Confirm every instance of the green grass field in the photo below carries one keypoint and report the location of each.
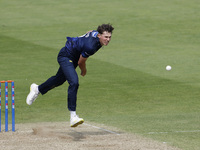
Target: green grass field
(127, 85)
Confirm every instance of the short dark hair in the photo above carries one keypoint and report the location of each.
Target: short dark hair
(105, 27)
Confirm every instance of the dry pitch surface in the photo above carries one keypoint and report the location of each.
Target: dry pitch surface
(58, 136)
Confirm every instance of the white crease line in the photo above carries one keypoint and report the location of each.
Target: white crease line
(102, 129)
(28, 131)
(174, 132)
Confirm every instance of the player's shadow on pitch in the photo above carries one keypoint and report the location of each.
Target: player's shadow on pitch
(79, 136)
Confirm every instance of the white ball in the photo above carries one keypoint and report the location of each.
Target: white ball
(168, 68)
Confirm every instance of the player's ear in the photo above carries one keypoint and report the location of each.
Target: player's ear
(99, 35)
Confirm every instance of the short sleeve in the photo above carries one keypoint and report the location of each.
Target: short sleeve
(86, 54)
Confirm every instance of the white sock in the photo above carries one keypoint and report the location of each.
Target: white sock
(38, 92)
(72, 113)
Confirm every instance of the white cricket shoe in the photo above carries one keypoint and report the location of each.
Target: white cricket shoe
(75, 121)
(34, 92)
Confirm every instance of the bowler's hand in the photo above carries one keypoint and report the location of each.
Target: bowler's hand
(82, 65)
(83, 72)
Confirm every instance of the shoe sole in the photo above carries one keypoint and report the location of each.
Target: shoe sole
(28, 96)
(27, 101)
(78, 123)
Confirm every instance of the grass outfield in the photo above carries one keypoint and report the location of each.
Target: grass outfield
(127, 85)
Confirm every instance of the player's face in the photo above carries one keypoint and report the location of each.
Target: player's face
(104, 38)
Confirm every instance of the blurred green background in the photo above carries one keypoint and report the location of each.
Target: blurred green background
(126, 85)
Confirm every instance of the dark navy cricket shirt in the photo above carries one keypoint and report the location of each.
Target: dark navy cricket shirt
(85, 45)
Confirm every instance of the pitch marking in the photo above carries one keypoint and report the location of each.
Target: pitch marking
(101, 129)
(173, 132)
